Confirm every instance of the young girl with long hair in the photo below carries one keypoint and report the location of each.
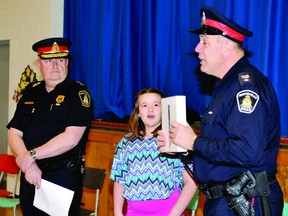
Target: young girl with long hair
(151, 182)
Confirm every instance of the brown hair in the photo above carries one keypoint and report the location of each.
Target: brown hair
(135, 125)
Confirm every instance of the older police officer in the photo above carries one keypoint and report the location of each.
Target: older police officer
(50, 127)
(235, 154)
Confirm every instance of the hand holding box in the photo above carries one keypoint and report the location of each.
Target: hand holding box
(173, 109)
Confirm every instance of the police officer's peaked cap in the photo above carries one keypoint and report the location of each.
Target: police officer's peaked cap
(214, 23)
(52, 48)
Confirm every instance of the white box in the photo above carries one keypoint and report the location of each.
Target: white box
(173, 109)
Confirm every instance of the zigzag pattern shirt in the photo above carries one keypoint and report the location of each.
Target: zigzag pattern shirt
(146, 173)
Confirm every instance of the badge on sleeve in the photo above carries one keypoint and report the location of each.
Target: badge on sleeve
(247, 101)
(85, 98)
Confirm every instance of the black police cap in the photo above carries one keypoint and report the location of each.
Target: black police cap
(214, 23)
(52, 48)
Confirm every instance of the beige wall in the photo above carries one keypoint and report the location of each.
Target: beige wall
(23, 22)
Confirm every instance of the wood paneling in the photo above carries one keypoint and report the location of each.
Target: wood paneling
(282, 175)
(100, 152)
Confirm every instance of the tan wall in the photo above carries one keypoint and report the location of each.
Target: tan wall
(22, 23)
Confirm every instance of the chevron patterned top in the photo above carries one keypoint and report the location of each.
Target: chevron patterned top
(146, 173)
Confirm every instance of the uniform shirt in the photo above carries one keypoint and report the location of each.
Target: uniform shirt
(146, 173)
(241, 127)
(41, 115)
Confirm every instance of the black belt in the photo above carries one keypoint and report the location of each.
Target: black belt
(215, 191)
(51, 167)
(211, 192)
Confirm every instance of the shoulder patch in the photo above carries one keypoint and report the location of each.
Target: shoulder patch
(85, 98)
(247, 101)
(244, 78)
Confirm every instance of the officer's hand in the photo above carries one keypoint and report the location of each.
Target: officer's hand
(24, 161)
(182, 135)
(162, 141)
(33, 175)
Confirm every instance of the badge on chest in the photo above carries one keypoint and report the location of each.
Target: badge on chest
(59, 100)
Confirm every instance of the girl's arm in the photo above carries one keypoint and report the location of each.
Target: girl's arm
(187, 193)
(118, 199)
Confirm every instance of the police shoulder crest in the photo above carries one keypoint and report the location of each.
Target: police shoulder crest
(85, 98)
(247, 101)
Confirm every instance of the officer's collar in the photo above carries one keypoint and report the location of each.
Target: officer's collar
(233, 70)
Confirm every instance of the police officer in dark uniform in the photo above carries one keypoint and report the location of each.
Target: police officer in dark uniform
(235, 153)
(50, 127)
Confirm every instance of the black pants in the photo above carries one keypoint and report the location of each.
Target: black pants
(62, 177)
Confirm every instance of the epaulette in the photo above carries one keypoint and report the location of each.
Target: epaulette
(245, 78)
(80, 83)
(36, 84)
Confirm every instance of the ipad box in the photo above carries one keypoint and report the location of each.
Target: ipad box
(173, 109)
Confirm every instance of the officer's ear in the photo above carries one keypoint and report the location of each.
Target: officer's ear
(229, 46)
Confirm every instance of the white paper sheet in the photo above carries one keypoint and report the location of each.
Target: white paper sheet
(173, 109)
(53, 199)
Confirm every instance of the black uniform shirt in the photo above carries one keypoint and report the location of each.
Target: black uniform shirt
(241, 127)
(41, 115)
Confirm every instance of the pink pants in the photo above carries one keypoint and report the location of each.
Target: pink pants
(152, 207)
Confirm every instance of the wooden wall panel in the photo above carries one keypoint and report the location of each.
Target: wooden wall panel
(282, 175)
(99, 153)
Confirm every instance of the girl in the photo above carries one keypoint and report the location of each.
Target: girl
(150, 181)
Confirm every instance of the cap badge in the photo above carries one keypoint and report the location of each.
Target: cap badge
(55, 47)
(203, 19)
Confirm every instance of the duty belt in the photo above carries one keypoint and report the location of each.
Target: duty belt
(51, 167)
(211, 192)
(216, 191)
